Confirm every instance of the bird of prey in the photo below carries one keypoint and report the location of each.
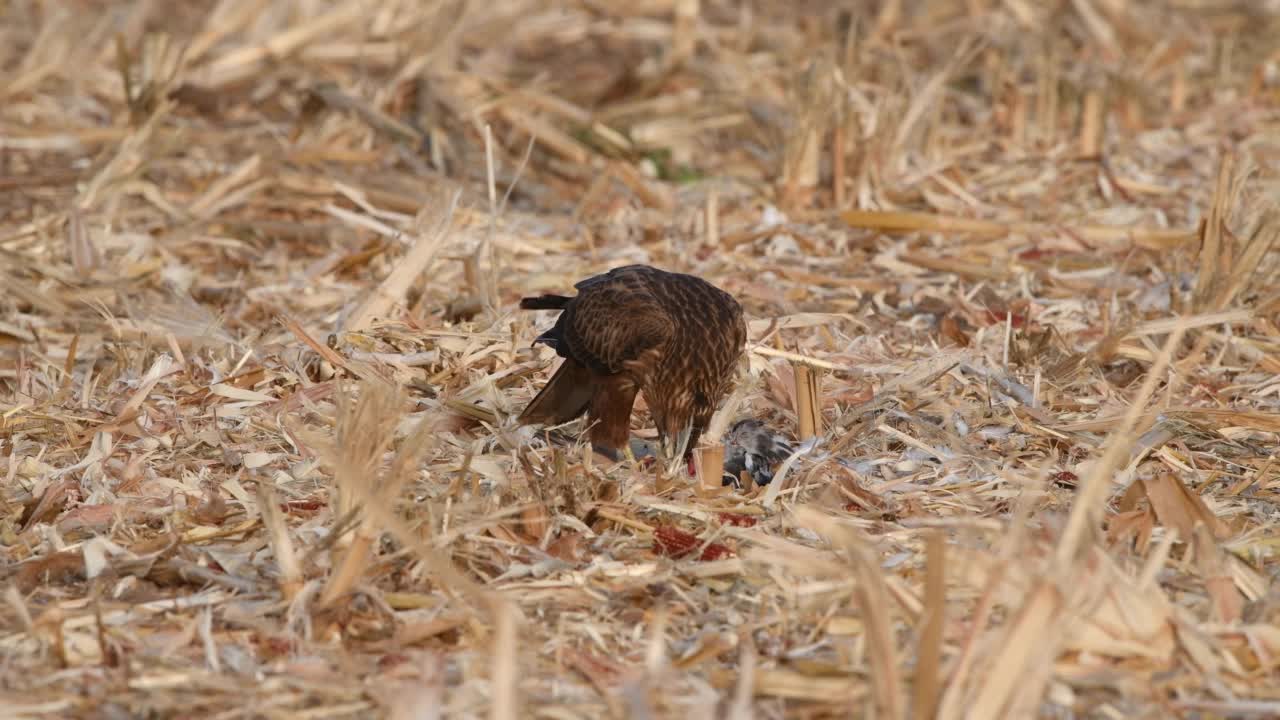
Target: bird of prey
(636, 329)
(751, 446)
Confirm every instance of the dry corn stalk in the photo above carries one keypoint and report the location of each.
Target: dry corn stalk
(709, 462)
(808, 400)
(366, 430)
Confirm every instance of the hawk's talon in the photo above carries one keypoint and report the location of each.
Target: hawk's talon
(609, 452)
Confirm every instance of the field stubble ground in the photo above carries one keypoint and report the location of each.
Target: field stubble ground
(1013, 263)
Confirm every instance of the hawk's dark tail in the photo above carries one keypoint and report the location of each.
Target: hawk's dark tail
(544, 302)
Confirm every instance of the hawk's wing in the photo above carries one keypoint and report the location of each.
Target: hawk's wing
(615, 323)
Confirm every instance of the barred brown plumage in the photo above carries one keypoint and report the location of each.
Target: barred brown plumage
(636, 329)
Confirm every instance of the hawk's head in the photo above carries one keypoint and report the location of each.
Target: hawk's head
(673, 413)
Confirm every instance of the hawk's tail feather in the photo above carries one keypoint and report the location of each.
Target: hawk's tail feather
(565, 396)
(544, 302)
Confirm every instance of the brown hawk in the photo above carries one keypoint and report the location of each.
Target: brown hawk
(674, 337)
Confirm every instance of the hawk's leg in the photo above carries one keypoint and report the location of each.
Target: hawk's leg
(611, 415)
